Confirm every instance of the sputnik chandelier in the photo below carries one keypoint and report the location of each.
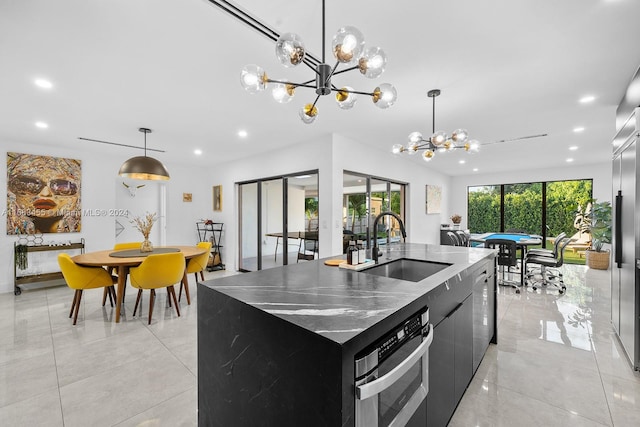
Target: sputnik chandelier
(348, 48)
(439, 141)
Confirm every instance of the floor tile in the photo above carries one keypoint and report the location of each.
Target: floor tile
(488, 405)
(179, 411)
(623, 397)
(23, 379)
(42, 409)
(124, 391)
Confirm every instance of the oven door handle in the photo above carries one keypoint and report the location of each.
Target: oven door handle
(376, 386)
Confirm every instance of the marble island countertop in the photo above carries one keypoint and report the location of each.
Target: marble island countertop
(337, 303)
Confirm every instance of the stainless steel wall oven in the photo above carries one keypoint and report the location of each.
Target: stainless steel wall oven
(392, 376)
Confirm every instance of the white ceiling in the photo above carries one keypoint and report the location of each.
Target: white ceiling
(506, 68)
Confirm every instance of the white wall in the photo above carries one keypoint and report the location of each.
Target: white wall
(331, 155)
(100, 185)
(601, 174)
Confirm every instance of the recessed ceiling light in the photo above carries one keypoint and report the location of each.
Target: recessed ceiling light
(42, 125)
(588, 98)
(44, 84)
(573, 148)
(242, 133)
(578, 129)
(462, 162)
(475, 169)
(569, 160)
(197, 151)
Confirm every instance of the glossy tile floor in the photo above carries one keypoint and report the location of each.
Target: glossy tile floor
(557, 361)
(556, 364)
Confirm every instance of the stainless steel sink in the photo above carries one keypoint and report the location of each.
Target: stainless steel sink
(407, 269)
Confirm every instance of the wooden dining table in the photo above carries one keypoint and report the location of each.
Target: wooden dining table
(123, 264)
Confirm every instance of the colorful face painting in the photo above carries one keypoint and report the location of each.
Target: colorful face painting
(43, 194)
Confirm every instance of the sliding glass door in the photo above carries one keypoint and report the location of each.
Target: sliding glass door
(543, 208)
(364, 198)
(248, 196)
(278, 221)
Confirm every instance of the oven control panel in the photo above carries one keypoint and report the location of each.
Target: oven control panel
(409, 329)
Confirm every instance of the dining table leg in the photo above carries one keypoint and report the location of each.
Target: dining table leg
(122, 279)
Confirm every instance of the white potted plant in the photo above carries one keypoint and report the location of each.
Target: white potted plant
(456, 218)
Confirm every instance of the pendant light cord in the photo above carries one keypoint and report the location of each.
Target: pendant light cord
(433, 117)
(323, 35)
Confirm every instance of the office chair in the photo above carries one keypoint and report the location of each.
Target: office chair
(506, 259)
(463, 238)
(548, 273)
(549, 252)
(453, 238)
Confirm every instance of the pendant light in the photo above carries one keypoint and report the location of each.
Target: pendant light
(439, 141)
(143, 167)
(349, 50)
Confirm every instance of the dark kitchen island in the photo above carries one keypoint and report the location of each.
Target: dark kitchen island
(276, 347)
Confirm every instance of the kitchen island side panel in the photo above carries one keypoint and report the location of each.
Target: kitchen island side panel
(256, 366)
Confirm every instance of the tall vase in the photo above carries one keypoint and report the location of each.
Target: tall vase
(146, 246)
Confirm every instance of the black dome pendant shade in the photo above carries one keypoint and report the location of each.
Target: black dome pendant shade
(143, 167)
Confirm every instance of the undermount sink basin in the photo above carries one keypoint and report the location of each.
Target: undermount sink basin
(407, 269)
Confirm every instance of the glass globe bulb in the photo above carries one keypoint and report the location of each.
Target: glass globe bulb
(347, 45)
(346, 100)
(373, 62)
(290, 50)
(415, 137)
(459, 136)
(308, 113)
(384, 96)
(397, 148)
(283, 93)
(428, 155)
(412, 148)
(474, 146)
(438, 138)
(253, 78)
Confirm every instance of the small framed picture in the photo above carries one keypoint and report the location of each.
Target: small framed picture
(217, 197)
(186, 197)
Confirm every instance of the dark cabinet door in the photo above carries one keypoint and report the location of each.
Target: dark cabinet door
(463, 347)
(441, 397)
(483, 317)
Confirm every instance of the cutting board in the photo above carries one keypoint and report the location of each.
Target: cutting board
(334, 262)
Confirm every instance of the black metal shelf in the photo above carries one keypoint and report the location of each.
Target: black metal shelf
(212, 231)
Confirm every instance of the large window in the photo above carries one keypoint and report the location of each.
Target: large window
(364, 198)
(543, 208)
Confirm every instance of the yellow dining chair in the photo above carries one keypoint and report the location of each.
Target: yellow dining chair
(195, 265)
(79, 277)
(126, 245)
(122, 247)
(158, 271)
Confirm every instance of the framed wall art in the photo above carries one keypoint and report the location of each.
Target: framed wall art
(43, 194)
(217, 197)
(433, 199)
